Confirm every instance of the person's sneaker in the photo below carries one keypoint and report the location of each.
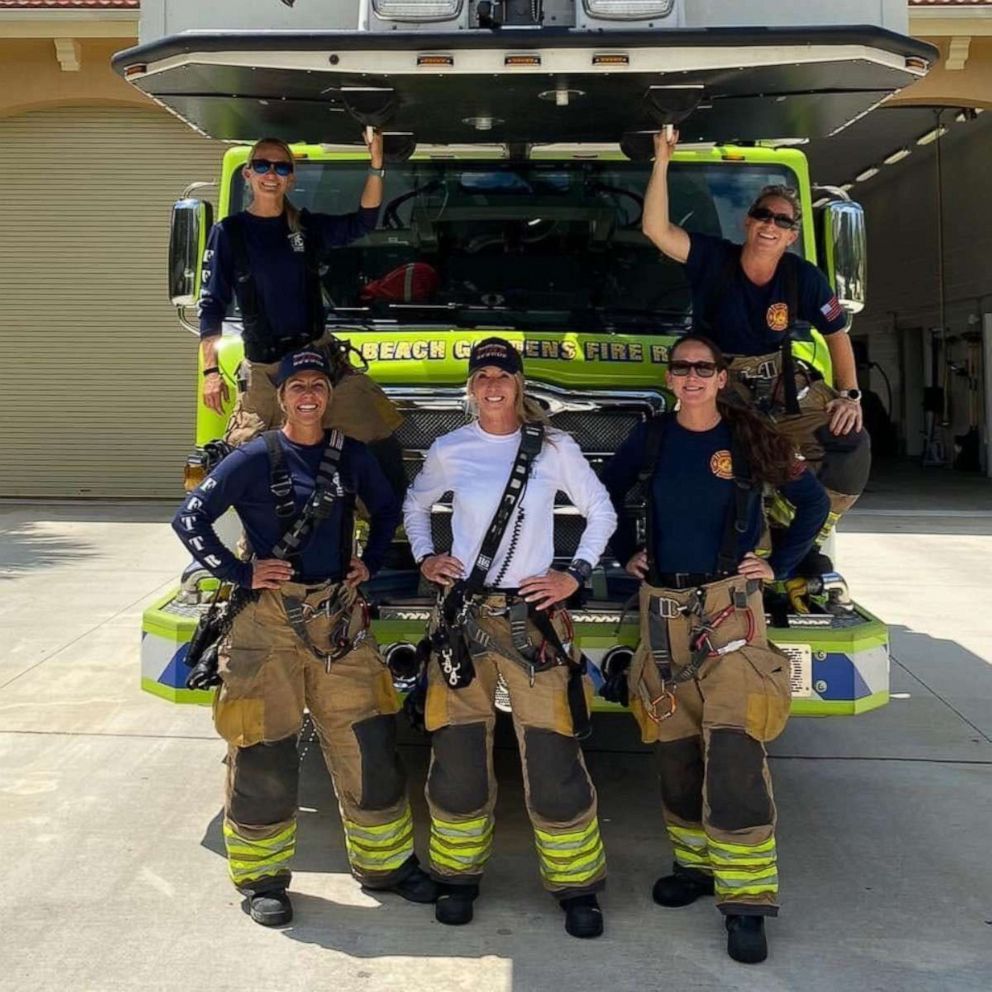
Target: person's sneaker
(746, 938)
(454, 904)
(418, 886)
(271, 909)
(583, 917)
(681, 888)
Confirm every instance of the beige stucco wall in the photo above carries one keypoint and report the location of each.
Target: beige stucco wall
(31, 77)
(967, 87)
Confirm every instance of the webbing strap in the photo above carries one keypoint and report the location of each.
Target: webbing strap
(280, 481)
(531, 440)
(736, 521)
(327, 490)
(261, 344)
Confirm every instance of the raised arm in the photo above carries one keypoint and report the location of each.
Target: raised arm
(657, 225)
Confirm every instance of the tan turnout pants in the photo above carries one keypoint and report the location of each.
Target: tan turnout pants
(841, 463)
(269, 677)
(358, 408)
(716, 791)
(461, 785)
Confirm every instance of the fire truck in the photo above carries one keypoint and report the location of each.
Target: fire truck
(518, 137)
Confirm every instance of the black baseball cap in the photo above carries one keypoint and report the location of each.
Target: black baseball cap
(495, 351)
(306, 360)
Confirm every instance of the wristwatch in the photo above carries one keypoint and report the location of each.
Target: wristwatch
(210, 371)
(851, 394)
(423, 558)
(373, 171)
(580, 570)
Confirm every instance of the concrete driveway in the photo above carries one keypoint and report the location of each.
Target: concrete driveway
(110, 804)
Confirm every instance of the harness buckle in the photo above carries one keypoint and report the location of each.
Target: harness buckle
(666, 607)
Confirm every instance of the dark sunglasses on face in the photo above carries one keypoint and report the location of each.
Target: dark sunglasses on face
(705, 370)
(762, 214)
(261, 166)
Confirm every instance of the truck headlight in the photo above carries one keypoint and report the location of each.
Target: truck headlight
(417, 10)
(628, 10)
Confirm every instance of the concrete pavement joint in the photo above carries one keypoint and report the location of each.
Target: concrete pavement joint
(937, 695)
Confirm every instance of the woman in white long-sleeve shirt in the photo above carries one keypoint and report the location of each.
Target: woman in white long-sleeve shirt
(536, 660)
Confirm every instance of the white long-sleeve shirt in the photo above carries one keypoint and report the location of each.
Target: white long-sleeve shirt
(475, 466)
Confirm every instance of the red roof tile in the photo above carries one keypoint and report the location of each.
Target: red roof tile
(70, 4)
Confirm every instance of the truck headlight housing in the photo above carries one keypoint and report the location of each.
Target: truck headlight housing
(628, 10)
(417, 10)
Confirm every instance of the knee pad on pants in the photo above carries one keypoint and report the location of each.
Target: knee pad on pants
(736, 790)
(383, 777)
(680, 765)
(559, 785)
(459, 777)
(264, 783)
(846, 461)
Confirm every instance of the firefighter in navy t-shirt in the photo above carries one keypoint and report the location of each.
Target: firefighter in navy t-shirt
(742, 296)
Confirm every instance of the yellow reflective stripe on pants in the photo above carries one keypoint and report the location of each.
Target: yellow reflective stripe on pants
(379, 848)
(461, 846)
(574, 858)
(250, 859)
(689, 846)
(828, 526)
(781, 511)
(744, 870)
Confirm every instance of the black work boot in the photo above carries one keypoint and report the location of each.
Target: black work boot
(418, 886)
(271, 909)
(583, 917)
(682, 887)
(454, 904)
(746, 938)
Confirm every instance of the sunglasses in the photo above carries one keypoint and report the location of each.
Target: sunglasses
(261, 166)
(783, 221)
(705, 370)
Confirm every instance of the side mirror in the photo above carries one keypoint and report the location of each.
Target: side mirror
(842, 232)
(191, 221)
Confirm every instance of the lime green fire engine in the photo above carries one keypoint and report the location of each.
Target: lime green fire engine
(546, 251)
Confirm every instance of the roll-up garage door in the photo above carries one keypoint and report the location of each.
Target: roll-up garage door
(98, 393)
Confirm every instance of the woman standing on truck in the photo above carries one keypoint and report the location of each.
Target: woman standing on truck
(500, 619)
(705, 685)
(270, 257)
(302, 639)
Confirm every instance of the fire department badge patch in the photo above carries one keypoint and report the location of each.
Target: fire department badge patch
(721, 465)
(778, 316)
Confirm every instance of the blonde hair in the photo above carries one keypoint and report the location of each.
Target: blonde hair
(292, 212)
(528, 410)
(786, 193)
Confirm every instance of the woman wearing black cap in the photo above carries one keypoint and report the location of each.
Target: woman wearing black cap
(705, 686)
(302, 640)
(501, 621)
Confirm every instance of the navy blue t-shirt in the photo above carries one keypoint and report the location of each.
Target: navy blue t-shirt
(692, 496)
(278, 266)
(242, 481)
(750, 319)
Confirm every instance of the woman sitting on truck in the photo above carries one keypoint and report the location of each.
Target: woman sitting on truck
(269, 257)
(500, 621)
(705, 686)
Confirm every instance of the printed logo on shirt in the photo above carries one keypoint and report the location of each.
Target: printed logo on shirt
(722, 465)
(832, 309)
(778, 316)
(296, 241)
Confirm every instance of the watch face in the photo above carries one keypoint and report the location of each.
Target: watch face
(581, 567)
(853, 394)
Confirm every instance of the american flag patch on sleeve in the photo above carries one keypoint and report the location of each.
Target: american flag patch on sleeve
(832, 309)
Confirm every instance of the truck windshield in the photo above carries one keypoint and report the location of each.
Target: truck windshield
(554, 245)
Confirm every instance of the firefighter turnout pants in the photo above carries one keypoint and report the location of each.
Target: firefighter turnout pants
(461, 786)
(358, 408)
(716, 791)
(841, 462)
(268, 676)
